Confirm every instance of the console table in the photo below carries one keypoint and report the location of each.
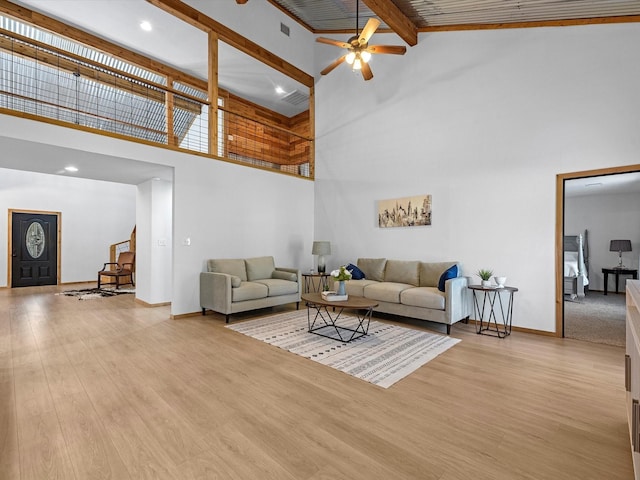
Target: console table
(617, 272)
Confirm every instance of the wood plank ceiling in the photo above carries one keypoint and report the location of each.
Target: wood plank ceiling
(406, 17)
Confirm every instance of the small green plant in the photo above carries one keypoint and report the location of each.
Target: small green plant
(485, 274)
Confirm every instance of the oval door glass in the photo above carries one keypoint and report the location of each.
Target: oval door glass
(35, 240)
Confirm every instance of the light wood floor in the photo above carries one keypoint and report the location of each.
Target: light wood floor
(110, 389)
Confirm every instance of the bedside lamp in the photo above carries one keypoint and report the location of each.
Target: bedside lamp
(620, 246)
(321, 249)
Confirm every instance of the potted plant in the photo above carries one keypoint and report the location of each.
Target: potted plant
(485, 276)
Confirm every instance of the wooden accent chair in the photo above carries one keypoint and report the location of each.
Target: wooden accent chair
(123, 268)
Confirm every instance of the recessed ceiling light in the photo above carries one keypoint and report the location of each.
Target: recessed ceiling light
(71, 168)
(146, 26)
(279, 90)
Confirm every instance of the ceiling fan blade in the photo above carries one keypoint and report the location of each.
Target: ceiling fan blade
(368, 30)
(333, 65)
(336, 43)
(392, 49)
(367, 74)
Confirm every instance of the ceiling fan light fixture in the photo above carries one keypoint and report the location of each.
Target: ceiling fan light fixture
(351, 56)
(358, 51)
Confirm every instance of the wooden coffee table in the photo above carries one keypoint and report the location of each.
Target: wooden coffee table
(328, 313)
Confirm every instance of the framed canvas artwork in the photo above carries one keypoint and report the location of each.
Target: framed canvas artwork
(405, 212)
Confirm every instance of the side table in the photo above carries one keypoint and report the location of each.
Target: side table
(487, 296)
(617, 272)
(315, 282)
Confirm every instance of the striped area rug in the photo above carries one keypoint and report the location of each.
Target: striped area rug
(384, 356)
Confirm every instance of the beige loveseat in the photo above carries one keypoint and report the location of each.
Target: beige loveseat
(232, 285)
(410, 289)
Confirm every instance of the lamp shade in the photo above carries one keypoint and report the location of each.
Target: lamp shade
(321, 248)
(620, 246)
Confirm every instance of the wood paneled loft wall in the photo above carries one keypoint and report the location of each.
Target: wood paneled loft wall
(287, 140)
(281, 140)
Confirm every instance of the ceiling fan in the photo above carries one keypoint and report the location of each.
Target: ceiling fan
(359, 50)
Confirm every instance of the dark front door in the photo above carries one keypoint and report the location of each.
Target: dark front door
(34, 244)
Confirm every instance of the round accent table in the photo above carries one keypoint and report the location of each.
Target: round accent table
(486, 302)
(315, 282)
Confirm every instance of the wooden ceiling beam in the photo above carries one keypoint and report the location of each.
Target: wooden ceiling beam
(393, 16)
(534, 24)
(198, 19)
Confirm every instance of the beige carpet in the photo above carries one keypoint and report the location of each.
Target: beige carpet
(596, 318)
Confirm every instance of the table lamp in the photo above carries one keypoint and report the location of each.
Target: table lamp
(620, 246)
(321, 248)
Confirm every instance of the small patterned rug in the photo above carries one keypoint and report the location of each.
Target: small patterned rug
(91, 293)
(387, 354)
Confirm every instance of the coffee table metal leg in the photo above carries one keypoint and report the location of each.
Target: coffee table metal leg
(323, 313)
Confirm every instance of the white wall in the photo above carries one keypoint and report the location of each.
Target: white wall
(95, 214)
(154, 234)
(226, 210)
(606, 217)
(483, 121)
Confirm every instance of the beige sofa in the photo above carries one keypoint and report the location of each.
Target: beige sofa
(232, 285)
(410, 289)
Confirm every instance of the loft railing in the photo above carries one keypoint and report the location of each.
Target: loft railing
(48, 82)
(128, 245)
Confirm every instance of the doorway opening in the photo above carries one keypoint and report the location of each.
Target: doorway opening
(593, 207)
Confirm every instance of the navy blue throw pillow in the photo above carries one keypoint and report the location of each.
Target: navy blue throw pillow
(356, 273)
(451, 272)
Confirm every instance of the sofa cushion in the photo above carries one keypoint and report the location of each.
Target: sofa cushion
(277, 286)
(449, 273)
(249, 291)
(356, 273)
(425, 297)
(356, 287)
(430, 272)
(235, 281)
(292, 277)
(386, 291)
(401, 271)
(230, 266)
(373, 268)
(259, 268)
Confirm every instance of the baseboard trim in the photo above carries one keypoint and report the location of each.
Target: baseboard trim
(152, 305)
(185, 315)
(524, 330)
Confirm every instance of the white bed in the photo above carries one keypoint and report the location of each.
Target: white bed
(576, 265)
